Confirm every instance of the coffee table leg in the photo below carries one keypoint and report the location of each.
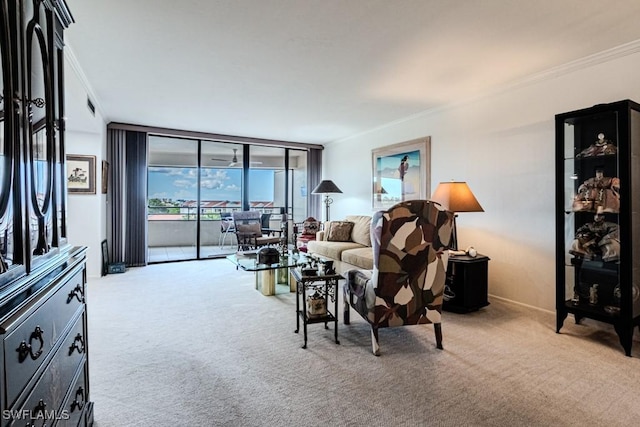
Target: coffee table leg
(335, 310)
(304, 313)
(297, 309)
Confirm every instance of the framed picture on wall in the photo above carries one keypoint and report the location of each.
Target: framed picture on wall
(401, 172)
(81, 174)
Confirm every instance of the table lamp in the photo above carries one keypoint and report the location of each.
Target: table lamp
(326, 187)
(457, 197)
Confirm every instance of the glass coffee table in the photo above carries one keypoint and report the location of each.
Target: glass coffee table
(268, 275)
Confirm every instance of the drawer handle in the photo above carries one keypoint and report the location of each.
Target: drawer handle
(75, 346)
(25, 349)
(40, 407)
(78, 403)
(78, 293)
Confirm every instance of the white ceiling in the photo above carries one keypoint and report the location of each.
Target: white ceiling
(317, 71)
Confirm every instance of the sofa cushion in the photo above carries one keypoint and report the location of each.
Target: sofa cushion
(359, 257)
(340, 231)
(331, 250)
(361, 229)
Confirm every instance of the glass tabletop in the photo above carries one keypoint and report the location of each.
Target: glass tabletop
(249, 261)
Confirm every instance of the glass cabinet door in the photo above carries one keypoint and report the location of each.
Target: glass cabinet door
(592, 204)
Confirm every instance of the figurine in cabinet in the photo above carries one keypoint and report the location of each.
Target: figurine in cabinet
(598, 192)
(599, 237)
(602, 147)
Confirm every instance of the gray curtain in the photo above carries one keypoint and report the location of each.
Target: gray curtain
(127, 197)
(314, 176)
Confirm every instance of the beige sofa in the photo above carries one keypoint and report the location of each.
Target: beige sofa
(348, 252)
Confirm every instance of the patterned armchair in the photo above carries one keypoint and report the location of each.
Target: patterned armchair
(248, 229)
(410, 242)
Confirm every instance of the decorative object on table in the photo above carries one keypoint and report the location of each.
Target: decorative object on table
(326, 187)
(406, 286)
(401, 172)
(602, 147)
(599, 192)
(457, 197)
(81, 174)
(328, 267)
(316, 304)
(268, 256)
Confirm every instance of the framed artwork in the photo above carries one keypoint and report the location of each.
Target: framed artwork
(105, 176)
(81, 174)
(401, 172)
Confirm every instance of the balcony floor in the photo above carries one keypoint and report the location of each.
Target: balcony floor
(182, 253)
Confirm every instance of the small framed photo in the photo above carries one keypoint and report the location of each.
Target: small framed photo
(81, 174)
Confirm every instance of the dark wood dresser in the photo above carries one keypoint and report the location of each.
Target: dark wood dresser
(43, 322)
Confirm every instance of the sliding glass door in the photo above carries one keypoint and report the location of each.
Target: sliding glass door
(195, 185)
(172, 194)
(220, 194)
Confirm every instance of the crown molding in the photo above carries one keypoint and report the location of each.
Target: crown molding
(71, 59)
(550, 74)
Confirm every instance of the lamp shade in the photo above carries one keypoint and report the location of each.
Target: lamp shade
(457, 197)
(325, 187)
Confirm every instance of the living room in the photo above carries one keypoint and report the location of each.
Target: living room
(499, 138)
(500, 141)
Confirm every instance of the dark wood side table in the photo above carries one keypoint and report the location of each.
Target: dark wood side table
(467, 287)
(328, 286)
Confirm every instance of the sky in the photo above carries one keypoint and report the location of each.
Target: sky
(216, 184)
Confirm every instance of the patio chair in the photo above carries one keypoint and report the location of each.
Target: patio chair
(227, 226)
(248, 227)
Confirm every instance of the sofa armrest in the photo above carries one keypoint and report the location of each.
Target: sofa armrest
(320, 235)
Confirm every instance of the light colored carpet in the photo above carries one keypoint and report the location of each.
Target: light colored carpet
(194, 344)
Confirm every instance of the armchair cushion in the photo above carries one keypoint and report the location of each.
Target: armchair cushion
(340, 231)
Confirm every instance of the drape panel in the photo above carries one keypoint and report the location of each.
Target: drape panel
(126, 198)
(314, 176)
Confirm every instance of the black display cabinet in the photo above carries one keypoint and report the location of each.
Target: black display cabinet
(598, 216)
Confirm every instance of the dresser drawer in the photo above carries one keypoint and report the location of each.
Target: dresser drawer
(74, 406)
(29, 344)
(43, 405)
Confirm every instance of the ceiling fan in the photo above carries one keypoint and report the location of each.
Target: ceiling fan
(234, 160)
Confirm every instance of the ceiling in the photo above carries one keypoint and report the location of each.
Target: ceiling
(317, 71)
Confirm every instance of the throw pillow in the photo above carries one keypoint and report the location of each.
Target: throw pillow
(310, 226)
(340, 231)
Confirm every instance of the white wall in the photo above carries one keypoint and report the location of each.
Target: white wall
(503, 146)
(85, 134)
